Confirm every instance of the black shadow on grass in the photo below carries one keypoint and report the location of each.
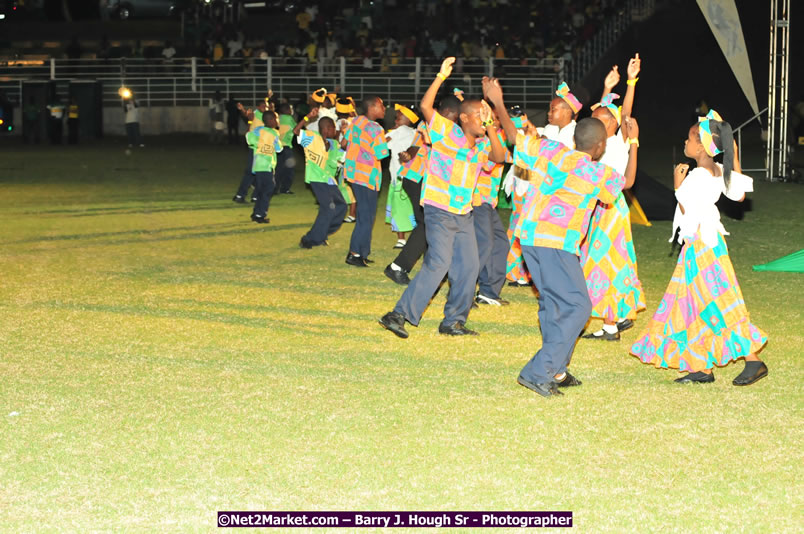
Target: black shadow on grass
(72, 237)
(128, 210)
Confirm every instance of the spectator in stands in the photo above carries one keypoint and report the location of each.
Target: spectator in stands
(73, 49)
(168, 52)
(104, 48)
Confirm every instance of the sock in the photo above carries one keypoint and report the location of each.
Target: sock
(599, 333)
(560, 377)
(610, 328)
(395, 267)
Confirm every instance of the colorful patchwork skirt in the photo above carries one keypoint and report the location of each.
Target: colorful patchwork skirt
(515, 268)
(398, 210)
(609, 264)
(702, 321)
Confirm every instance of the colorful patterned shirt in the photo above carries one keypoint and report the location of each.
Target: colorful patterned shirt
(488, 183)
(265, 143)
(565, 185)
(286, 125)
(414, 169)
(322, 160)
(363, 154)
(452, 168)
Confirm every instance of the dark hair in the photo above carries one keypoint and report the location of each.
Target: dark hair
(588, 133)
(369, 101)
(723, 137)
(449, 103)
(284, 108)
(516, 111)
(323, 121)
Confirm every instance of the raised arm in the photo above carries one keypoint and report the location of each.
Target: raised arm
(611, 81)
(305, 121)
(428, 100)
(634, 65)
(632, 130)
(497, 154)
(492, 91)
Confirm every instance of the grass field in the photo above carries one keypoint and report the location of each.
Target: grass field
(163, 358)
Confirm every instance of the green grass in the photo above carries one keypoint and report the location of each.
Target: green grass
(162, 358)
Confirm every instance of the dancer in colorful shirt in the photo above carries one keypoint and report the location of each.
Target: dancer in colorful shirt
(456, 157)
(366, 148)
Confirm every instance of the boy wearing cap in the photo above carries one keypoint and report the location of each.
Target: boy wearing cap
(398, 210)
(366, 148)
(323, 156)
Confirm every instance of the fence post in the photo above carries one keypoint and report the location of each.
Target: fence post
(52, 68)
(201, 92)
(343, 73)
(491, 67)
(192, 68)
(174, 92)
(148, 92)
(418, 83)
(269, 71)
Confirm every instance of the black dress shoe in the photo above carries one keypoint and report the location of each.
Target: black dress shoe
(395, 322)
(697, 378)
(455, 329)
(305, 244)
(569, 381)
(753, 372)
(357, 261)
(545, 389)
(400, 277)
(368, 260)
(239, 200)
(254, 199)
(260, 220)
(624, 325)
(517, 284)
(605, 336)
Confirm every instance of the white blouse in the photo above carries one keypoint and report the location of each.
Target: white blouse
(698, 194)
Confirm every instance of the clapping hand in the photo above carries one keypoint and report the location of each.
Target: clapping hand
(612, 78)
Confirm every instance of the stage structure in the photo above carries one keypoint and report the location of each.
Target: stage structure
(777, 158)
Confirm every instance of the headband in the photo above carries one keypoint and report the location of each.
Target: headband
(332, 97)
(344, 105)
(319, 95)
(608, 102)
(705, 131)
(563, 91)
(407, 112)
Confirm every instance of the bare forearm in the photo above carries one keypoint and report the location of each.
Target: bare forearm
(428, 100)
(631, 168)
(497, 150)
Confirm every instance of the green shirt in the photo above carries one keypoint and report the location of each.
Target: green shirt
(320, 164)
(265, 143)
(286, 125)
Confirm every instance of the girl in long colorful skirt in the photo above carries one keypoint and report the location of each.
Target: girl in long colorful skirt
(702, 321)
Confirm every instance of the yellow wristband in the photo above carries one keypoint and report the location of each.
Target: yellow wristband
(633, 82)
(633, 141)
(443, 78)
(306, 119)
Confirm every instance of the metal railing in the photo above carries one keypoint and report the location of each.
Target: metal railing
(738, 133)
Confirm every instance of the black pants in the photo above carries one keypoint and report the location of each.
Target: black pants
(248, 178)
(72, 131)
(56, 127)
(331, 210)
(417, 241)
(285, 168)
(263, 192)
(233, 132)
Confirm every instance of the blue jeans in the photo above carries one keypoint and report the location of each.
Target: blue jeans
(263, 192)
(366, 213)
(285, 168)
(331, 210)
(564, 309)
(451, 249)
(492, 249)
